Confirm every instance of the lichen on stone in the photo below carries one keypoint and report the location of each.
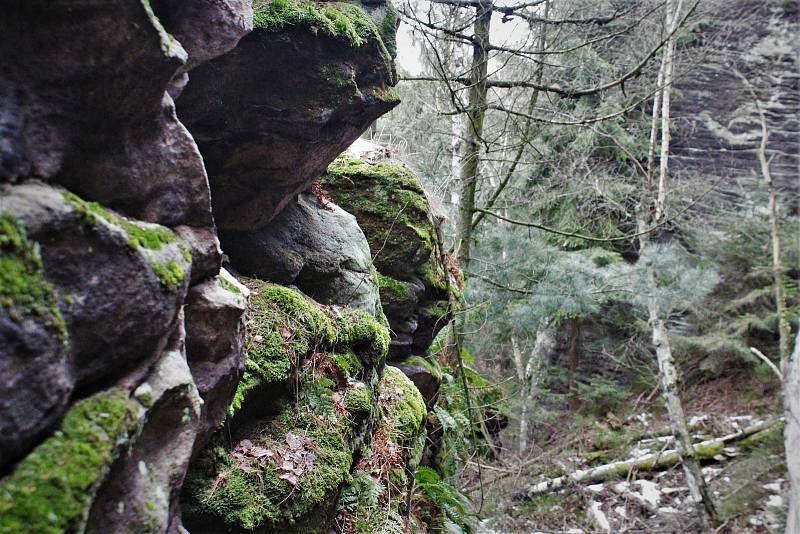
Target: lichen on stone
(23, 287)
(50, 489)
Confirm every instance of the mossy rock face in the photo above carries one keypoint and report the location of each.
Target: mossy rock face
(50, 491)
(392, 209)
(270, 115)
(86, 295)
(306, 397)
(374, 498)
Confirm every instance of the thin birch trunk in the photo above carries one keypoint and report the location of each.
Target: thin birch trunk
(672, 16)
(791, 403)
(668, 374)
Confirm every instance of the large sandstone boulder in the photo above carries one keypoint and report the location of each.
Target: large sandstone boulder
(315, 246)
(87, 296)
(148, 478)
(390, 205)
(99, 143)
(271, 114)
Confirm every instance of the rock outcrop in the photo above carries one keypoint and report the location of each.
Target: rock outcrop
(715, 136)
(144, 387)
(391, 207)
(270, 115)
(313, 245)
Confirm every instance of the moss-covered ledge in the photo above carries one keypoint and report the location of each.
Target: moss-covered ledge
(49, 491)
(340, 20)
(280, 468)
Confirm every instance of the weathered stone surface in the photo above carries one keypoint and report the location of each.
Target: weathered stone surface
(118, 284)
(717, 136)
(214, 345)
(147, 480)
(203, 245)
(272, 113)
(315, 246)
(205, 28)
(100, 143)
(390, 205)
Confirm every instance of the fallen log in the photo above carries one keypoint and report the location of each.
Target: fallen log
(648, 462)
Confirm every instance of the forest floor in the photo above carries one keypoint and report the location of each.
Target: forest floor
(747, 477)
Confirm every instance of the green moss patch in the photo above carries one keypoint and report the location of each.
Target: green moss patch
(402, 405)
(340, 20)
(284, 327)
(50, 490)
(139, 234)
(170, 273)
(392, 290)
(391, 208)
(288, 466)
(23, 287)
(228, 286)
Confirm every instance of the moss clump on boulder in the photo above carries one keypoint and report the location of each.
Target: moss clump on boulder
(284, 327)
(390, 205)
(23, 287)
(402, 405)
(375, 496)
(393, 290)
(340, 20)
(50, 489)
(149, 236)
(248, 487)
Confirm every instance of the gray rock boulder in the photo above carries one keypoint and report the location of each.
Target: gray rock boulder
(272, 113)
(316, 246)
(109, 286)
(147, 479)
(214, 345)
(100, 144)
(205, 28)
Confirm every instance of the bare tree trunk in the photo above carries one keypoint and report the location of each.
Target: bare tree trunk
(527, 375)
(519, 365)
(791, 403)
(672, 14)
(574, 357)
(784, 330)
(668, 375)
(473, 136)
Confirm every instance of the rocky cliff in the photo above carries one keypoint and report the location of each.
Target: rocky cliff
(145, 388)
(716, 124)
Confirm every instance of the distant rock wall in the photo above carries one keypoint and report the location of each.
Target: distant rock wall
(716, 125)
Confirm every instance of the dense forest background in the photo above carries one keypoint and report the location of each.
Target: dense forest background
(556, 129)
